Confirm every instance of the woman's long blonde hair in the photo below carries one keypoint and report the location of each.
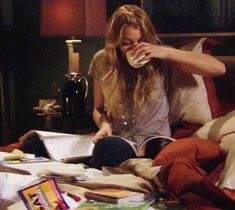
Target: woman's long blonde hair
(128, 15)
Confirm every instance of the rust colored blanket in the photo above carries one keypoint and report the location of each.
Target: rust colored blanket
(190, 170)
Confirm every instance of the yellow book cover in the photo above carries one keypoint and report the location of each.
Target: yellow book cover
(112, 195)
(43, 195)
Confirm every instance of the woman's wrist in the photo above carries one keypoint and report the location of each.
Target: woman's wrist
(105, 124)
(101, 120)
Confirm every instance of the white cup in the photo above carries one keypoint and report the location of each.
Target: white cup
(135, 62)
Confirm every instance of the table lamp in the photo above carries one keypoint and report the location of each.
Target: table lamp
(73, 18)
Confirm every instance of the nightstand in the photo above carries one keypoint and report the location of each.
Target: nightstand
(67, 124)
(49, 122)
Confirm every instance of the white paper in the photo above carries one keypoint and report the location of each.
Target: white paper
(11, 183)
(61, 145)
(36, 168)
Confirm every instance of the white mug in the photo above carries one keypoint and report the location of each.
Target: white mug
(135, 62)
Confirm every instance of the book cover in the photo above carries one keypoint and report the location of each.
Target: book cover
(43, 195)
(111, 195)
(72, 200)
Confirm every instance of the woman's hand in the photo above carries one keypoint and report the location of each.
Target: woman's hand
(105, 130)
(188, 61)
(149, 51)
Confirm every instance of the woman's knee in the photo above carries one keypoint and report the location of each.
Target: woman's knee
(154, 146)
(111, 151)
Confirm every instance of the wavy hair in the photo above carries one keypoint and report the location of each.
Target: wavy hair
(117, 80)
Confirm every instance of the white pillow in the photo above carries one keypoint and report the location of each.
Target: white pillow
(217, 128)
(227, 178)
(188, 95)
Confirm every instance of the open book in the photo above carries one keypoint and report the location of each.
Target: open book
(65, 147)
(74, 148)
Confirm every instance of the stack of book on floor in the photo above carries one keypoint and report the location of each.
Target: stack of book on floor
(110, 198)
(112, 195)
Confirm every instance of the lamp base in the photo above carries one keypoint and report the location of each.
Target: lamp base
(74, 99)
(73, 54)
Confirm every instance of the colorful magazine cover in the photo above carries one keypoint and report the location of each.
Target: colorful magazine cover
(44, 195)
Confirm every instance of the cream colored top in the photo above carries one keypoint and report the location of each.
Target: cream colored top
(139, 126)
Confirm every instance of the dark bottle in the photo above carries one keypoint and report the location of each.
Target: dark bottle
(74, 95)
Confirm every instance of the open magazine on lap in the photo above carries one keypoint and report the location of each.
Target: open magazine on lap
(139, 149)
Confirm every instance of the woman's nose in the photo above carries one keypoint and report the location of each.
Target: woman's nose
(133, 46)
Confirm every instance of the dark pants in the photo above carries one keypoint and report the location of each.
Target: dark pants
(112, 151)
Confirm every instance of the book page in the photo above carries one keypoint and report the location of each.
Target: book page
(41, 134)
(39, 168)
(142, 145)
(62, 147)
(113, 192)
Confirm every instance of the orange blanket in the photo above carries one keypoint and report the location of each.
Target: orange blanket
(190, 169)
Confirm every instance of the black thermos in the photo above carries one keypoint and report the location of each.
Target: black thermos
(74, 95)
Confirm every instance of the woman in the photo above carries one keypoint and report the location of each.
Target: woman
(131, 102)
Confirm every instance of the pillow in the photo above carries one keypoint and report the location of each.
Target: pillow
(195, 149)
(217, 128)
(227, 178)
(225, 84)
(188, 97)
(212, 97)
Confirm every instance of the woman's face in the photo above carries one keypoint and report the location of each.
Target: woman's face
(130, 37)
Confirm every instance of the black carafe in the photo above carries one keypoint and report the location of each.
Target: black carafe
(74, 95)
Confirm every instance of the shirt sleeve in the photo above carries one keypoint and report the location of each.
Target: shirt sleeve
(95, 69)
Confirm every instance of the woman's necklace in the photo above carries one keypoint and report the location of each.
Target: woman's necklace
(127, 119)
(127, 109)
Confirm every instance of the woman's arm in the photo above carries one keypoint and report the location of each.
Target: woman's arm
(192, 62)
(195, 63)
(99, 113)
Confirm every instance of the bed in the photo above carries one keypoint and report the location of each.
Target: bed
(203, 156)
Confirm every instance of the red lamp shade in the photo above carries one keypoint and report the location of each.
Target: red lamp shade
(73, 17)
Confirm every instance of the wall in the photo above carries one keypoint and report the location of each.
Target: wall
(34, 63)
(184, 16)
